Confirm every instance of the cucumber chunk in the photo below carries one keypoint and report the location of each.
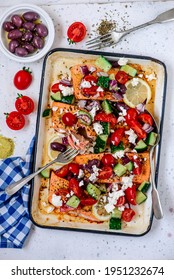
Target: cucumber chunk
(115, 223)
(103, 82)
(68, 99)
(56, 96)
(73, 201)
(120, 169)
(140, 197)
(103, 63)
(151, 138)
(93, 191)
(115, 149)
(98, 150)
(101, 141)
(144, 186)
(106, 107)
(106, 127)
(141, 146)
(129, 70)
(46, 173)
(47, 113)
(84, 117)
(116, 213)
(129, 166)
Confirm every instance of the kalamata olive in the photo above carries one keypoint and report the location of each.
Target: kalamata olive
(17, 20)
(38, 42)
(55, 146)
(31, 16)
(29, 47)
(8, 26)
(27, 36)
(20, 51)
(13, 45)
(28, 25)
(41, 30)
(14, 34)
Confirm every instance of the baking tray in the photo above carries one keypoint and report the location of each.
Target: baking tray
(137, 227)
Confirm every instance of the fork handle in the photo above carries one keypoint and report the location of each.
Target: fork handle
(13, 188)
(161, 18)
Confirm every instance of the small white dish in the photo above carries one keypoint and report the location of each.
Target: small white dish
(44, 18)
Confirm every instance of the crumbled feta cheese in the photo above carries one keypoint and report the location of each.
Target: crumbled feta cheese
(81, 183)
(135, 157)
(145, 159)
(100, 89)
(115, 186)
(123, 112)
(112, 130)
(134, 151)
(121, 208)
(134, 82)
(112, 199)
(151, 77)
(85, 84)
(98, 128)
(135, 165)
(71, 193)
(92, 69)
(49, 209)
(66, 91)
(118, 154)
(132, 136)
(109, 207)
(54, 108)
(140, 75)
(68, 195)
(93, 111)
(81, 174)
(127, 182)
(93, 176)
(120, 119)
(61, 110)
(56, 200)
(122, 61)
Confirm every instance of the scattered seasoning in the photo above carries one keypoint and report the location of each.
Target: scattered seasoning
(106, 26)
(6, 147)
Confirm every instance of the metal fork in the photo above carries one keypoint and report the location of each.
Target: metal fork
(64, 157)
(114, 37)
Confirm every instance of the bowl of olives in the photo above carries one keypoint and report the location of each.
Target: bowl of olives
(27, 33)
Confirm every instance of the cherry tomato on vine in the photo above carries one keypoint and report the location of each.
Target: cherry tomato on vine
(22, 79)
(15, 120)
(76, 32)
(24, 104)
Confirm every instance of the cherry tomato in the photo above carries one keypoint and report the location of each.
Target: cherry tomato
(63, 171)
(74, 186)
(137, 127)
(108, 160)
(76, 32)
(130, 193)
(105, 173)
(55, 88)
(122, 77)
(128, 214)
(24, 104)
(145, 118)
(74, 168)
(103, 117)
(90, 91)
(132, 114)
(117, 136)
(69, 119)
(90, 78)
(137, 170)
(15, 120)
(87, 201)
(22, 79)
(121, 201)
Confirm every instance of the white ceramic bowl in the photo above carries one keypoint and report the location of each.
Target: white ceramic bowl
(44, 18)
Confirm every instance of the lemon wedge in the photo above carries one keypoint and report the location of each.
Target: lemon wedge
(137, 93)
(51, 153)
(99, 211)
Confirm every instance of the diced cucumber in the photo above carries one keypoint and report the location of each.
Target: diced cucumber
(56, 96)
(84, 117)
(46, 173)
(116, 213)
(129, 165)
(140, 197)
(120, 169)
(68, 99)
(112, 76)
(151, 138)
(144, 186)
(114, 110)
(115, 149)
(73, 201)
(129, 70)
(106, 107)
(103, 82)
(141, 146)
(47, 113)
(93, 191)
(106, 128)
(101, 140)
(115, 223)
(103, 63)
(98, 150)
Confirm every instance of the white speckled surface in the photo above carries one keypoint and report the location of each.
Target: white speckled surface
(155, 41)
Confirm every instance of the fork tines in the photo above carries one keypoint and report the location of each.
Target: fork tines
(70, 153)
(100, 41)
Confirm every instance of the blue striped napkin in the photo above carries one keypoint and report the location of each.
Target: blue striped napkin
(15, 223)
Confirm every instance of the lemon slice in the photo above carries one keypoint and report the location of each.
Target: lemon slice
(51, 153)
(99, 211)
(138, 93)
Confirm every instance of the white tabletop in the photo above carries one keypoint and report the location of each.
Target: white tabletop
(155, 41)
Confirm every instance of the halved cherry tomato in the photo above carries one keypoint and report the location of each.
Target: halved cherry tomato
(132, 114)
(69, 119)
(103, 117)
(128, 214)
(74, 168)
(122, 77)
(130, 193)
(23, 78)
(105, 173)
(117, 136)
(76, 32)
(74, 186)
(91, 78)
(88, 201)
(24, 104)
(15, 120)
(121, 201)
(91, 91)
(108, 160)
(137, 127)
(63, 171)
(55, 88)
(137, 170)
(145, 118)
